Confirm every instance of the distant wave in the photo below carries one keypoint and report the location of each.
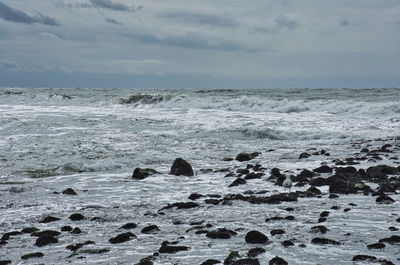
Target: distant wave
(145, 99)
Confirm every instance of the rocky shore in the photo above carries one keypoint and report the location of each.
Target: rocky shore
(315, 213)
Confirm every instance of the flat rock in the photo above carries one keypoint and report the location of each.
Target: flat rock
(46, 233)
(211, 262)
(49, 219)
(167, 248)
(395, 239)
(247, 261)
(121, 238)
(277, 232)
(32, 255)
(181, 205)
(129, 226)
(379, 245)
(324, 241)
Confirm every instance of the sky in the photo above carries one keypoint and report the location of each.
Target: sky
(197, 44)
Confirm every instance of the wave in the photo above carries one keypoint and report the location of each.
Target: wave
(145, 99)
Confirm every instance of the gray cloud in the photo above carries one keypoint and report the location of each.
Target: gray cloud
(113, 21)
(344, 22)
(108, 4)
(10, 66)
(200, 19)
(284, 22)
(191, 42)
(15, 15)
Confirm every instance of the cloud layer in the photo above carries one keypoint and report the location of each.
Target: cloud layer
(14, 15)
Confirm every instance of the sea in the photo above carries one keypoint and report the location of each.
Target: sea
(91, 140)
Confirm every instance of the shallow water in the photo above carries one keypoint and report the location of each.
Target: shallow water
(92, 139)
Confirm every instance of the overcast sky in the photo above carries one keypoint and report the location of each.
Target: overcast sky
(208, 43)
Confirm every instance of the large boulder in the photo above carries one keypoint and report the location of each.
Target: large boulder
(181, 168)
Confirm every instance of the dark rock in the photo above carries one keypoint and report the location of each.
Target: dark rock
(335, 207)
(142, 173)
(32, 255)
(324, 241)
(255, 237)
(398, 220)
(318, 182)
(49, 219)
(364, 258)
(278, 261)
(248, 261)
(333, 196)
(151, 229)
(121, 238)
(76, 217)
(313, 190)
(395, 239)
(253, 175)
(341, 186)
(364, 150)
(76, 231)
(246, 156)
(346, 171)
(69, 191)
(181, 168)
(386, 187)
(221, 233)
(210, 262)
(181, 205)
(166, 248)
(346, 209)
(319, 228)
(237, 182)
(6, 236)
(243, 171)
(384, 199)
(290, 218)
(234, 255)
(79, 245)
(379, 245)
(380, 172)
(287, 243)
(46, 233)
(195, 196)
(212, 201)
(28, 230)
(277, 232)
(304, 155)
(392, 228)
(321, 219)
(323, 169)
(254, 252)
(324, 214)
(66, 228)
(45, 240)
(5, 262)
(145, 261)
(304, 175)
(129, 226)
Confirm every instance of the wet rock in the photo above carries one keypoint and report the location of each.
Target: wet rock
(386, 187)
(319, 229)
(304, 175)
(78, 246)
(341, 186)
(380, 172)
(318, 182)
(384, 199)
(253, 175)
(335, 207)
(167, 248)
(346, 209)
(313, 190)
(6, 236)
(324, 214)
(395, 239)
(234, 255)
(290, 218)
(221, 233)
(181, 205)
(333, 196)
(181, 168)
(46, 233)
(323, 169)
(28, 230)
(346, 171)
(237, 182)
(145, 261)
(392, 228)
(277, 232)
(246, 156)
(142, 173)
(76, 217)
(287, 243)
(69, 191)
(45, 240)
(121, 238)
(5, 262)
(195, 196)
(66, 228)
(151, 229)
(76, 231)
(324, 241)
(49, 219)
(256, 237)
(254, 252)
(398, 220)
(379, 245)
(304, 155)
(243, 171)
(32, 255)
(364, 258)
(321, 219)
(278, 261)
(212, 201)
(247, 261)
(129, 226)
(211, 262)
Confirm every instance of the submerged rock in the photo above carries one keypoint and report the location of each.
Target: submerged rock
(221, 233)
(49, 219)
(254, 252)
(277, 232)
(379, 245)
(211, 262)
(181, 205)
(142, 173)
(121, 238)
(324, 241)
(129, 226)
(278, 261)
(395, 239)
(304, 155)
(167, 248)
(246, 156)
(32, 255)
(6, 236)
(46, 233)
(247, 261)
(181, 168)
(256, 237)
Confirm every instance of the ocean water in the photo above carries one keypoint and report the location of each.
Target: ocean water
(92, 139)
